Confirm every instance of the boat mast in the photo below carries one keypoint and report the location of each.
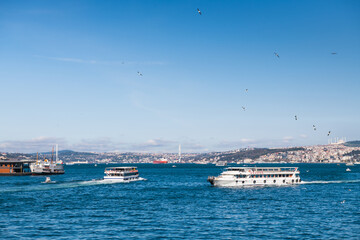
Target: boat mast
(52, 155)
(57, 153)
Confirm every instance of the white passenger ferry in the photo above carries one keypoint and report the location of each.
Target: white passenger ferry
(256, 176)
(46, 166)
(122, 174)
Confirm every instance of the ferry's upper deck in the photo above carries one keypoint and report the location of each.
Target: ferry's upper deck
(121, 169)
(261, 170)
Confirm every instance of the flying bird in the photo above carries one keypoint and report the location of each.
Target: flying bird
(139, 73)
(314, 127)
(334, 53)
(243, 108)
(295, 117)
(246, 90)
(343, 202)
(329, 133)
(276, 54)
(199, 11)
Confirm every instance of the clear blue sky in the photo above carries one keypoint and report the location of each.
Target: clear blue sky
(68, 74)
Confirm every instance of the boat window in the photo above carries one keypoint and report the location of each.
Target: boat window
(276, 175)
(254, 181)
(264, 181)
(284, 181)
(274, 181)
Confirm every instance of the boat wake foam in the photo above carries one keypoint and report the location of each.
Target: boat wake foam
(62, 185)
(330, 182)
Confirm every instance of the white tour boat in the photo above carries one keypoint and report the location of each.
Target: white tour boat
(221, 164)
(256, 176)
(122, 174)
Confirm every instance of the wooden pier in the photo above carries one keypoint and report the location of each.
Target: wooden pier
(15, 167)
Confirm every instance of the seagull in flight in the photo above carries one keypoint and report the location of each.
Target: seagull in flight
(199, 11)
(329, 133)
(243, 108)
(276, 54)
(246, 90)
(314, 127)
(334, 53)
(343, 202)
(139, 73)
(295, 117)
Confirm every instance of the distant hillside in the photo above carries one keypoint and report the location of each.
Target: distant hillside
(352, 144)
(252, 154)
(354, 154)
(60, 152)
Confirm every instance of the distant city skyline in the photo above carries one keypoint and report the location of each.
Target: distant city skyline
(146, 76)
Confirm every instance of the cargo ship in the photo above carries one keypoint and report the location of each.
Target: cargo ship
(161, 161)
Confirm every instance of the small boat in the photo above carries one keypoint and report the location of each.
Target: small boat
(173, 166)
(48, 180)
(95, 165)
(221, 164)
(348, 170)
(122, 174)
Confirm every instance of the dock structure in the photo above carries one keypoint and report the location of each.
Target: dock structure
(15, 167)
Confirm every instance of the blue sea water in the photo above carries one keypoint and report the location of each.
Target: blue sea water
(178, 203)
